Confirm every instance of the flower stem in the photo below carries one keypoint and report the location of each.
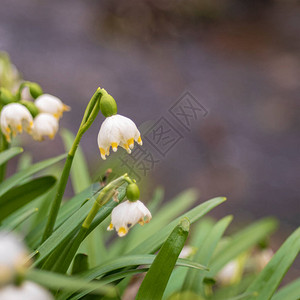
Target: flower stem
(66, 257)
(3, 146)
(90, 114)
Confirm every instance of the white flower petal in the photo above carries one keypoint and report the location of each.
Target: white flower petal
(27, 291)
(117, 131)
(14, 118)
(44, 125)
(52, 105)
(127, 214)
(13, 255)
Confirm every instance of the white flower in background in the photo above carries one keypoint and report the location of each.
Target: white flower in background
(44, 125)
(13, 256)
(14, 118)
(187, 251)
(229, 272)
(26, 291)
(127, 214)
(116, 131)
(262, 258)
(50, 104)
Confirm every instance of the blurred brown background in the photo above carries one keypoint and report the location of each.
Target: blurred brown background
(240, 59)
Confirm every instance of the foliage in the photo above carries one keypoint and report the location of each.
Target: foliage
(76, 257)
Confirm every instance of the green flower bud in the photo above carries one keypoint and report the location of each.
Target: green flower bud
(133, 192)
(31, 107)
(6, 96)
(108, 104)
(35, 89)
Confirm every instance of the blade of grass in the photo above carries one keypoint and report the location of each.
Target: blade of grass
(240, 242)
(6, 155)
(152, 243)
(74, 223)
(21, 195)
(291, 291)
(270, 277)
(18, 177)
(201, 230)
(18, 221)
(67, 209)
(155, 282)
(66, 283)
(194, 280)
(127, 261)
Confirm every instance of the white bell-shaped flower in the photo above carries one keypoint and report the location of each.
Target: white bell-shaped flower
(44, 125)
(117, 131)
(26, 291)
(14, 118)
(13, 256)
(127, 214)
(51, 105)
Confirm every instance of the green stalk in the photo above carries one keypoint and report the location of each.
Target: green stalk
(3, 146)
(90, 114)
(66, 257)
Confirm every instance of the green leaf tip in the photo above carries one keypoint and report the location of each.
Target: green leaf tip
(185, 224)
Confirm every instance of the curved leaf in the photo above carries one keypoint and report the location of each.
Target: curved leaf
(66, 283)
(23, 194)
(128, 261)
(18, 177)
(10, 153)
(155, 282)
(151, 244)
(269, 278)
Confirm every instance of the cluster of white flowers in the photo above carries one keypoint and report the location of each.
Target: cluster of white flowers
(13, 261)
(127, 214)
(15, 118)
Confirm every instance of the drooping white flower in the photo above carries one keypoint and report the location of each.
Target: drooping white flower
(50, 104)
(26, 291)
(13, 256)
(14, 118)
(44, 125)
(127, 214)
(115, 131)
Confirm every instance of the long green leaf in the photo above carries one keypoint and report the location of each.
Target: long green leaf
(67, 209)
(240, 242)
(291, 291)
(155, 282)
(266, 283)
(194, 281)
(155, 240)
(10, 153)
(58, 281)
(18, 177)
(164, 216)
(23, 194)
(73, 223)
(109, 279)
(127, 261)
(198, 234)
(22, 218)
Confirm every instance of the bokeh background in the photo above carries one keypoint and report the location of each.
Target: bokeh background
(239, 59)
